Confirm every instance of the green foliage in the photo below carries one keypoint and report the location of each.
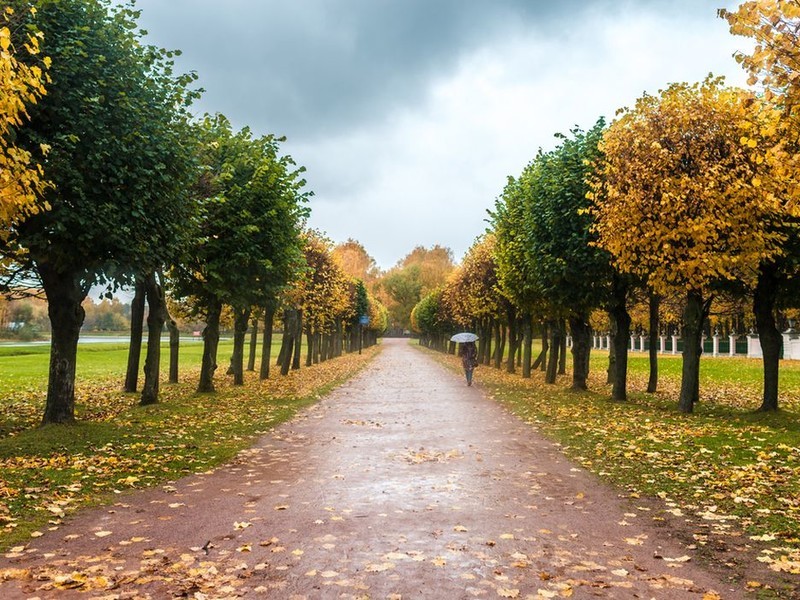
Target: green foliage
(115, 118)
(245, 245)
(559, 260)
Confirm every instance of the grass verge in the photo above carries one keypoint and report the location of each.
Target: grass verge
(726, 478)
(116, 446)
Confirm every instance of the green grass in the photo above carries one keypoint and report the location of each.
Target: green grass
(48, 472)
(725, 472)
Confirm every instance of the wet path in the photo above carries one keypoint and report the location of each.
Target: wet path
(404, 483)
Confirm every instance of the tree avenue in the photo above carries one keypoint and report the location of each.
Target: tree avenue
(118, 160)
(681, 205)
(245, 244)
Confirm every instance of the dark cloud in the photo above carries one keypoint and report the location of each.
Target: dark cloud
(312, 68)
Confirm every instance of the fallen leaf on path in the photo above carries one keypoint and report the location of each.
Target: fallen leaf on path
(329, 574)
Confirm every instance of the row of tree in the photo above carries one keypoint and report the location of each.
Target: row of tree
(109, 180)
(691, 193)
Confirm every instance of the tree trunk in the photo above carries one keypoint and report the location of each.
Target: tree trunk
(338, 340)
(156, 315)
(298, 341)
(541, 360)
(174, 349)
(764, 300)
(241, 321)
(135, 348)
(612, 355)
(527, 345)
(620, 327)
(562, 349)
(581, 347)
(266, 345)
(498, 344)
(251, 361)
(555, 347)
(694, 315)
(310, 344)
(513, 339)
(64, 296)
(210, 345)
(287, 346)
(655, 304)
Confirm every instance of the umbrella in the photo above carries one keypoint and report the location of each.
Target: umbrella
(464, 337)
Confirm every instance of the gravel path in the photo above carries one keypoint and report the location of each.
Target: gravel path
(403, 483)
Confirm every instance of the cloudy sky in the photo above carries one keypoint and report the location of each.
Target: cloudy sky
(410, 114)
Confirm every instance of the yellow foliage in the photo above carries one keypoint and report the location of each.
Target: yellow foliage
(20, 84)
(679, 199)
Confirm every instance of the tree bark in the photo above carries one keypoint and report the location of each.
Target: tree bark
(251, 361)
(655, 304)
(241, 321)
(135, 348)
(694, 315)
(621, 327)
(498, 344)
(527, 344)
(64, 297)
(298, 341)
(555, 347)
(581, 347)
(310, 344)
(541, 360)
(612, 357)
(266, 346)
(513, 339)
(287, 345)
(210, 345)
(562, 349)
(764, 300)
(174, 349)
(156, 315)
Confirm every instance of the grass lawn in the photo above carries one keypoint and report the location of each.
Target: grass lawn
(47, 472)
(726, 475)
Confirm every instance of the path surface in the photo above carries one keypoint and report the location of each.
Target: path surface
(403, 483)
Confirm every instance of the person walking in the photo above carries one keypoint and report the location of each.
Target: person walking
(469, 359)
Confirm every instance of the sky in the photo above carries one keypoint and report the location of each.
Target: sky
(409, 115)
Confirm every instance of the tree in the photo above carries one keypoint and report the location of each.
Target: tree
(356, 262)
(21, 84)
(681, 206)
(114, 119)
(775, 65)
(514, 279)
(570, 272)
(472, 298)
(246, 245)
(321, 294)
(420, 272)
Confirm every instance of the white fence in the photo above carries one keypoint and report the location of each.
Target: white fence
(718, 346)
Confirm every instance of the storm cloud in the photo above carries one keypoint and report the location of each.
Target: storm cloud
(409, 114)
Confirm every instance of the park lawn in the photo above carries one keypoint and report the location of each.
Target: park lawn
(116, 446)
(726, 471)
